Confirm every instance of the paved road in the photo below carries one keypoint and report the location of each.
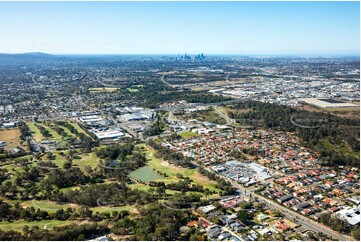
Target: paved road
(225, 116)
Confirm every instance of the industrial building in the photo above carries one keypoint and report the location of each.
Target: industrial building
(94, 120)
(327, 103)
(108, 133)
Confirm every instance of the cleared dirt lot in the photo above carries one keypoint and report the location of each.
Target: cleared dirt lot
(11, 137)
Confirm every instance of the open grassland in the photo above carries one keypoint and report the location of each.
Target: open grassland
(342, 148)
(103, 89)
(45, 224)
(11, 137)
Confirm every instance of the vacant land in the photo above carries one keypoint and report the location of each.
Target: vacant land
(11, 137)
(342, 148)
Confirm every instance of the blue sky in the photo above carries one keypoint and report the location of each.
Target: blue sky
(180, 27)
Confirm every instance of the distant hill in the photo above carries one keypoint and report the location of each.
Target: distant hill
(31, 55)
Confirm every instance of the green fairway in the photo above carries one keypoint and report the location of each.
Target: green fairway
(47, 205)
(45, 224)
(132, 90)
(111, 209)
(78, 128)
(35, 132)
(103, 89)
(86, 159)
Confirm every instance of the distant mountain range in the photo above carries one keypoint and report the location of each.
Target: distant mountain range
(36, 55)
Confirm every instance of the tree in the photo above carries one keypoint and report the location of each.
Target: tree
(355, 231)
(160, 191)
(243, 216)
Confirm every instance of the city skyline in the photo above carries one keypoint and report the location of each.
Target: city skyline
(224, 28)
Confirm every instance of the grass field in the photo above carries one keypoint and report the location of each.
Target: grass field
(11, 137)
(103, 89)
(77, 127)
(35, 132)
(86, 159)
(47, 205)
(45, 224)
(189, 134)
(51, 207)
(132, 89)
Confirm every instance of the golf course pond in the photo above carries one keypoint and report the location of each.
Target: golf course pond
(145, 174)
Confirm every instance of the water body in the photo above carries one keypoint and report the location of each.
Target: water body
(145, 174)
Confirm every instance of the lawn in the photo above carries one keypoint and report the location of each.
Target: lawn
(53, 133)
(77, 127)
(35, 132)
(189, 134)
(86, 159)
(103, 89)
(108, 209)
(132, 89)
(45, 224)
(47, 205)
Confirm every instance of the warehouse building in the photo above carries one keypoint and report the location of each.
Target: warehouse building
(327, 103)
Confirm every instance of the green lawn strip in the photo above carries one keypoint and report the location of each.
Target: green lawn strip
(47, 205)
(52, 207)
(77, 127)
(19, 224)
(86, 159)
(111, 209)
(54, 134)
(67, 131)
(132, 90)
(59, 160)
(189, 134)
(35, 132)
